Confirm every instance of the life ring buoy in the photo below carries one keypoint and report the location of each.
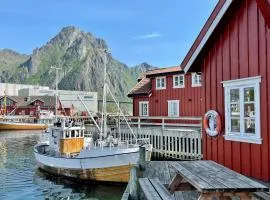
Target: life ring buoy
(212, 123)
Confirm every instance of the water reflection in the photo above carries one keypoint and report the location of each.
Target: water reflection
(20, 179)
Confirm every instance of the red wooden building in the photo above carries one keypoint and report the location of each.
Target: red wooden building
(17, 105)
(167, 92)
(232, 52)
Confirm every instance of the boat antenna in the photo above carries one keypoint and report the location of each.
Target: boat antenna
(56, 86)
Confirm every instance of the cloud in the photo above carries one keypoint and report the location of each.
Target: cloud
(147, 36)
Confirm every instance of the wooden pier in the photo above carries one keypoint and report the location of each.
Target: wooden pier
(189, 180)
(170, 138)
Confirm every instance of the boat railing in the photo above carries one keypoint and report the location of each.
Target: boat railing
(115, 143)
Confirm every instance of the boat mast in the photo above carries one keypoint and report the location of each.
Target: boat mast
(56, 86)
(5, 103)
(104, 103)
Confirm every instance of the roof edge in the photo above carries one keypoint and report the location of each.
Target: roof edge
(188, 61)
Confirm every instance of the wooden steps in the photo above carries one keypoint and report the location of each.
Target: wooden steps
(154, 190)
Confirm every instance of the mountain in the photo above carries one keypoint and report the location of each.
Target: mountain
(81, 60)
(10, 64)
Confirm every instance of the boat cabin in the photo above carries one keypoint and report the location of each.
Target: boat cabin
(67, 137)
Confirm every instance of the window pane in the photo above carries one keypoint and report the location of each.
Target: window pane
(249, 94)
(235, 125)
(249, 110)
(234, 95)
(158, 83)
(250, 126)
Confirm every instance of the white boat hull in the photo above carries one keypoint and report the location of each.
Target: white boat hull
(112, 165)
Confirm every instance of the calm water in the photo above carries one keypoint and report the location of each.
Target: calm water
(20, 178)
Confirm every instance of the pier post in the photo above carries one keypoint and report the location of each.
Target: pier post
(142, 158)
(134, 186)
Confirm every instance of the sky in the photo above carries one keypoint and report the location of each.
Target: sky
(159, 32)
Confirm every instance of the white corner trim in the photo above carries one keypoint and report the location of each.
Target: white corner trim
(242, 81)
(222, 11)
(237, 138)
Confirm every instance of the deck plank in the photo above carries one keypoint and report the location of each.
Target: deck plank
(148, 190)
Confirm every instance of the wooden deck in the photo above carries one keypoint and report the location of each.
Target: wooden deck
(164, 172)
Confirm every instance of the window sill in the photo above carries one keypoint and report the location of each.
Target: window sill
(196, 85)
(163, 88)
(176, 87)
(237, 138)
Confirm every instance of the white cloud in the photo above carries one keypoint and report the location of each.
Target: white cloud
(147, 36)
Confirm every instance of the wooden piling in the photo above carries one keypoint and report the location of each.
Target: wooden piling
(142, 158)
(133, 183)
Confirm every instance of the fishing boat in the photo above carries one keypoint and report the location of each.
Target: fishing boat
(18, 122)
(70, 154)
(108, 158)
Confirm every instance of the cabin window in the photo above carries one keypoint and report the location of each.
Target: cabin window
(72, 133)
(67, 134)
(242, 110)
(82, 133)
(160, 83)
(173, 108)
(178, 81)
(196, 80)
(143, 108)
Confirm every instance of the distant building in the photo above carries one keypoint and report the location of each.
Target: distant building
(18, 105)
(67, 97)
(13, 89)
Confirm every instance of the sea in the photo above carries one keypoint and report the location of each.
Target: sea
(20, 179)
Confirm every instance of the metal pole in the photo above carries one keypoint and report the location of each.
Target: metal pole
(56, 86)
(105, 94)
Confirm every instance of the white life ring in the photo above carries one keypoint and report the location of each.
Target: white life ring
(212, 123)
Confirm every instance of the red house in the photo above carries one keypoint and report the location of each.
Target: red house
(17, 105)
(167, 92)
(232, 52)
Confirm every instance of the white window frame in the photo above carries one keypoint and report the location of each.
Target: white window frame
(159, 78)
(169, 104)
(179, 86)
(193, 82)
(241, 84)
(140, 108)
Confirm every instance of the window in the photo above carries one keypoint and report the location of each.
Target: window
(161, 83)
(196, 80)
(143, 108)
(173, 108)
(178, 81)
(242, 110)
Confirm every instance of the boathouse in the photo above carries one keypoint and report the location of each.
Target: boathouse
(232, 52)
(167, 92)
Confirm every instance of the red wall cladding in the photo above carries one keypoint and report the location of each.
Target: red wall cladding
(241, 50)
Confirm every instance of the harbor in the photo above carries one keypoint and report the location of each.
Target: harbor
(21, 179)
(77, 123)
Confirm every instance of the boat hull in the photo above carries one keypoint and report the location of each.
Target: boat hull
(119, 174)
(110, 167)
(21, 126)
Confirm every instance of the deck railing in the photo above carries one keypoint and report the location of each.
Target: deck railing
(171, 139)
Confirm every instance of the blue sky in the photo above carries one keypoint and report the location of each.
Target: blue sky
(159, 32)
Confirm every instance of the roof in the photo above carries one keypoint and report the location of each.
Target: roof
(141, 88)
(49, 101)
(211, 24)
(163, 71)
